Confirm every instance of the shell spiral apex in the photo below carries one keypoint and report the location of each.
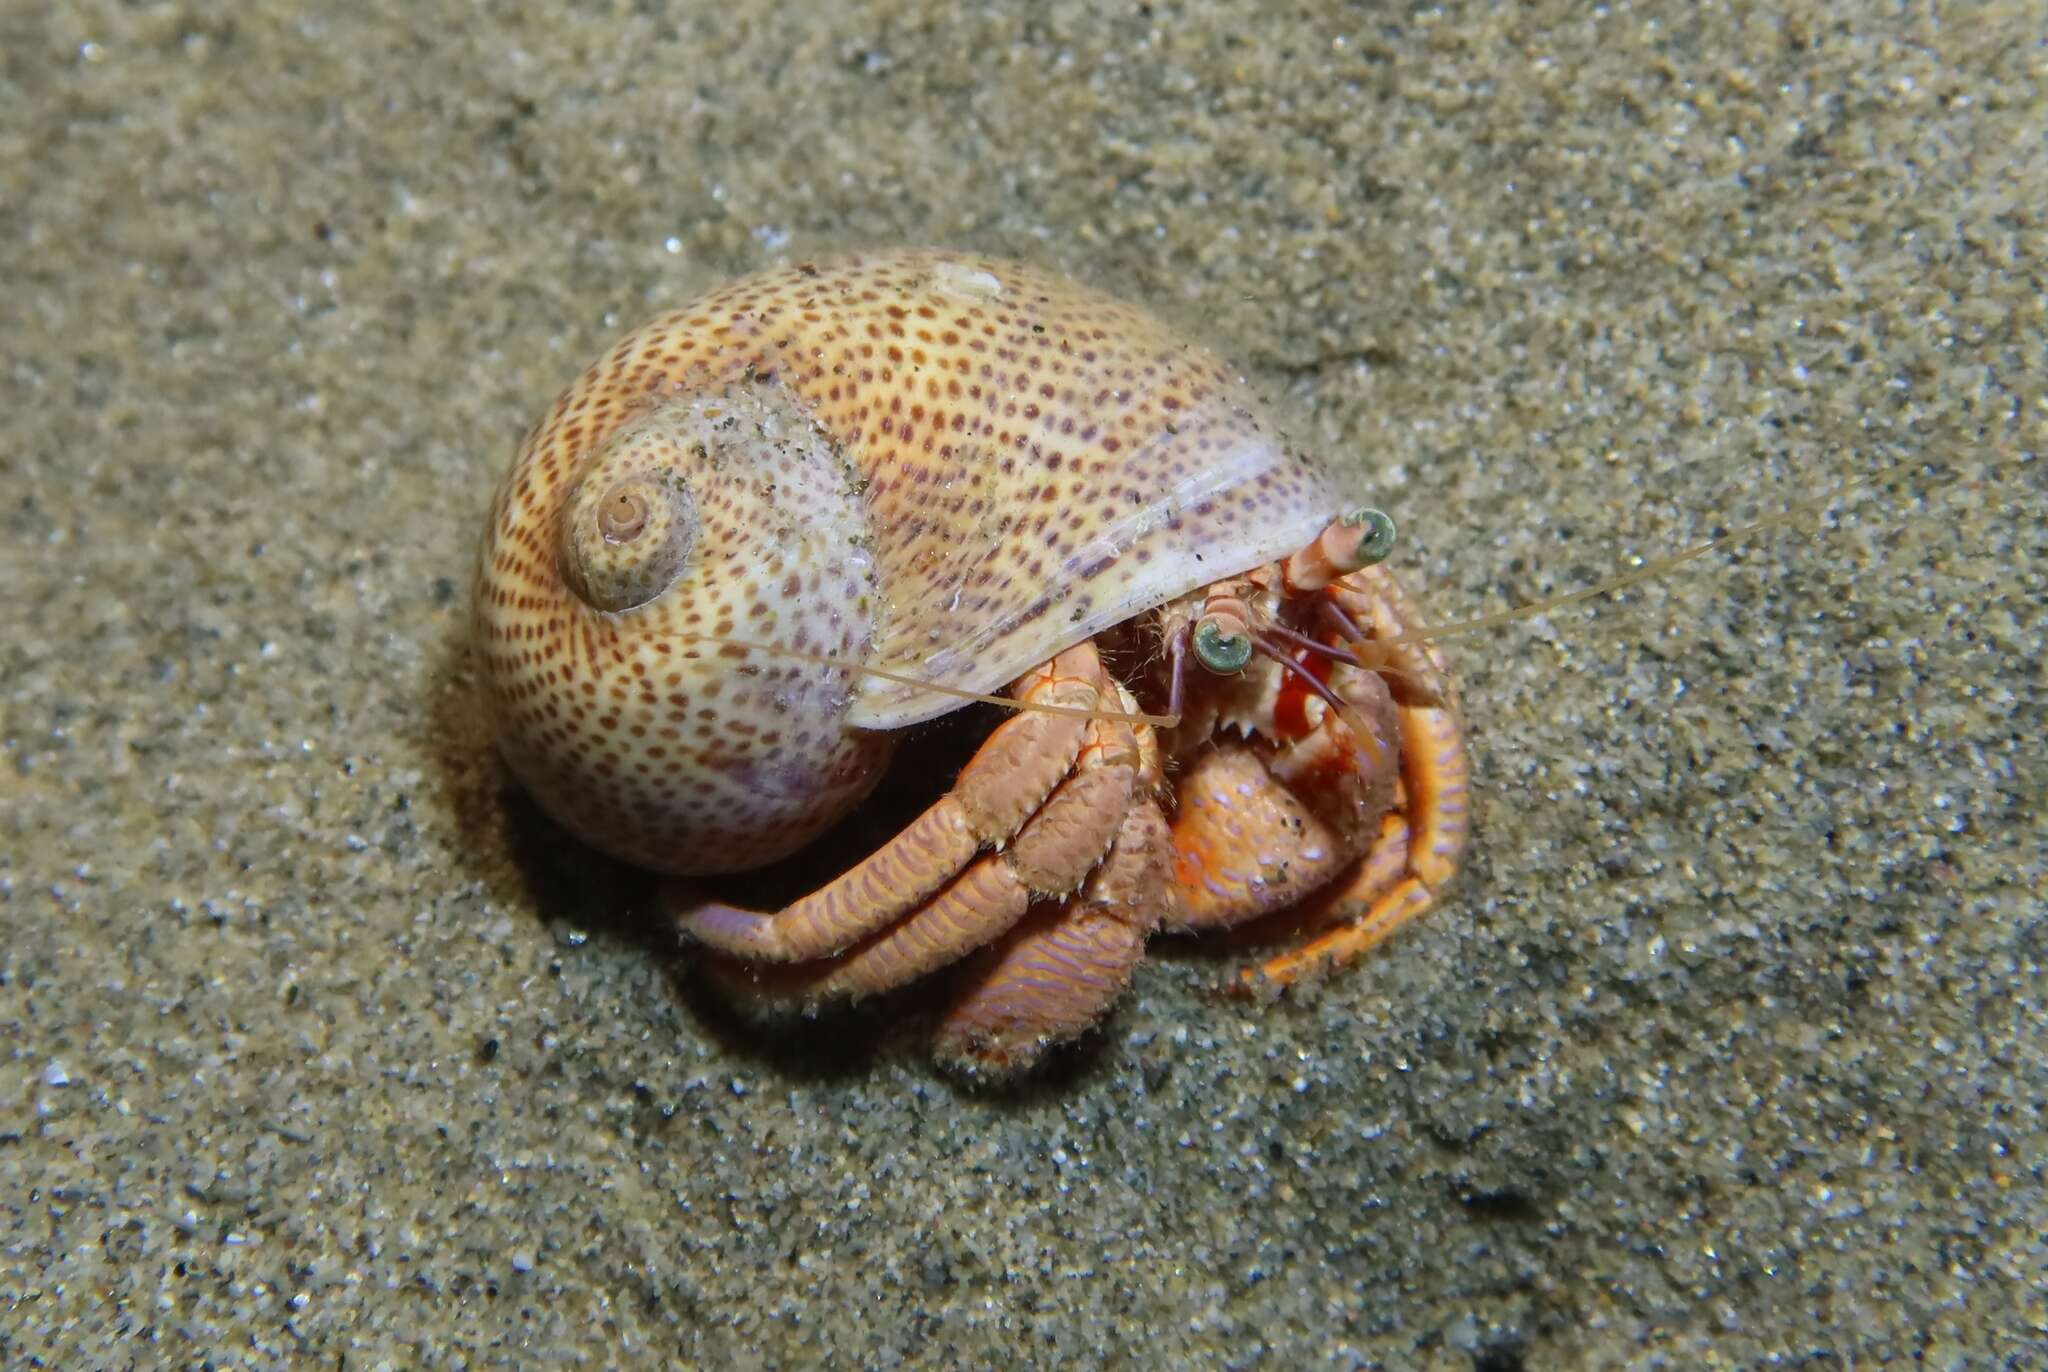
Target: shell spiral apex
(624, 569)
(628, 528)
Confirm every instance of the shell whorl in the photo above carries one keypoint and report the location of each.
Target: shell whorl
(630, 524)
(611, 609)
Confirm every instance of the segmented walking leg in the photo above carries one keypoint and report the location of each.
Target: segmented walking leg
(1050, 857)
(1054, 975)
(1001, 786)
(1060, 837)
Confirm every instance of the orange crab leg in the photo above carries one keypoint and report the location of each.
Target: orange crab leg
(1002, 785)
(1409, 865)
(896, 878)
(978, 906)
(1051, 856)
(1055, 848)
(1435, 769)
(1054, 974)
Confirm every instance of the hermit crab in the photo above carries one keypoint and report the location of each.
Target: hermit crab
(770, 533)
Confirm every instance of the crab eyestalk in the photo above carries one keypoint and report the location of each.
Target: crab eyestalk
(1223, 643)
(1359, 540)
(1376, 536)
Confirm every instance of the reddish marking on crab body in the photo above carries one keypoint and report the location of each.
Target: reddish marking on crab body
(770, 530)
(1290, 711)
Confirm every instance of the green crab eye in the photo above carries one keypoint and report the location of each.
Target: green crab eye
(1223, 653)
(1379, 535)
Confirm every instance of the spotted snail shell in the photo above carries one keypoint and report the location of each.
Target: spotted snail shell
(939, 467)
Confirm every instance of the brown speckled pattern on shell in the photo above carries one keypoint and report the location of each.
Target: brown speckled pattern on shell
(683, 755)
(1031, 462)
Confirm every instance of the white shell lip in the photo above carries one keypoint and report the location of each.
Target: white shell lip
(1178, 565)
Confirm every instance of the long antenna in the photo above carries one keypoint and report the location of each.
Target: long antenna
(1654, 567)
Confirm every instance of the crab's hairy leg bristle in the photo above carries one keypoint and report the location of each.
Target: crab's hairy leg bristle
(977, 697)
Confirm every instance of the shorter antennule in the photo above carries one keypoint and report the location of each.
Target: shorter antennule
(1351, 544)
(1343, 709)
